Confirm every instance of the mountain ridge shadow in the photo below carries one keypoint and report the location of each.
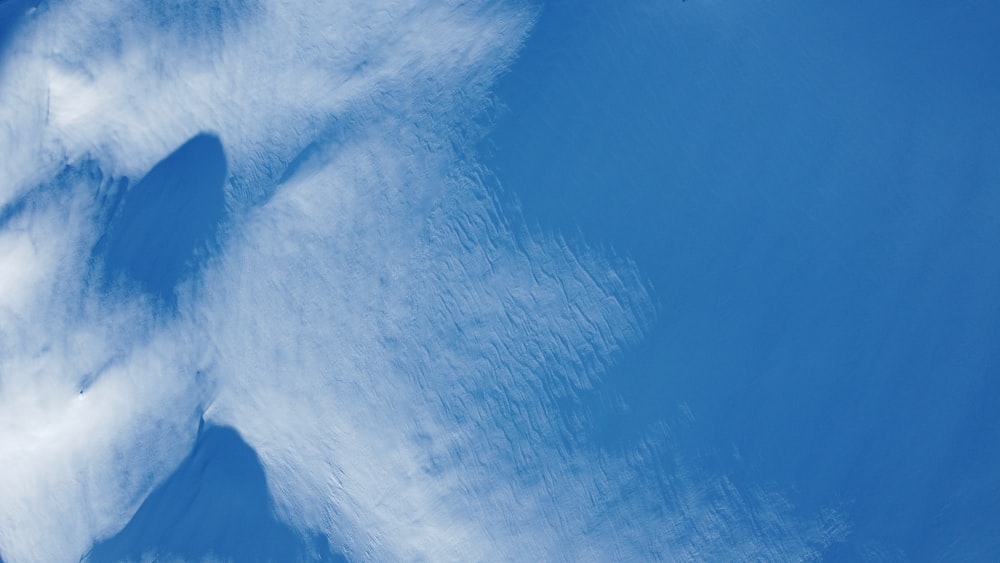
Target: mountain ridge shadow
(166, 224)
(217, 506)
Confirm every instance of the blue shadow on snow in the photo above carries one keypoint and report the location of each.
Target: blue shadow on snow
(167, 222)
(11, 14)
(216, 504)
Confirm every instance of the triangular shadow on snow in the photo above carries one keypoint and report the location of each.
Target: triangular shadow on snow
(215, 506)
(165, 225)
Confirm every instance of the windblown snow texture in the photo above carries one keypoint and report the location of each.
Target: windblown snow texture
(248, 244)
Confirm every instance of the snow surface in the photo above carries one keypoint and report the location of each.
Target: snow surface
(335, 289)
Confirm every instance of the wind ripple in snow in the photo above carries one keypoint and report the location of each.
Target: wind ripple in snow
(395, 346)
